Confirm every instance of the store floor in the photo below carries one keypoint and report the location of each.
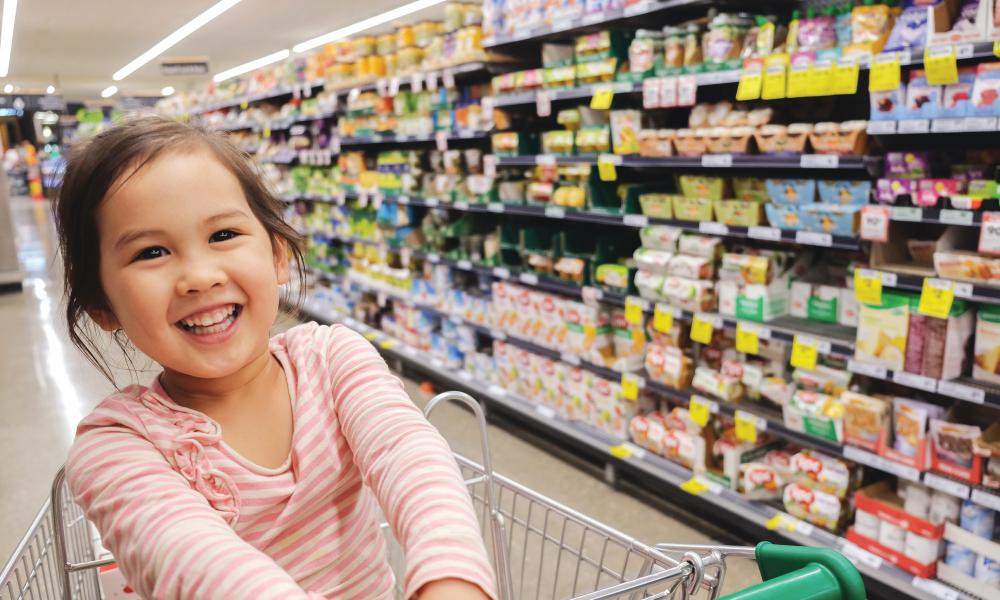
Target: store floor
(49, 386)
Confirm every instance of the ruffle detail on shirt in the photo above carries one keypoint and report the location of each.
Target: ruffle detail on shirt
(187, 456)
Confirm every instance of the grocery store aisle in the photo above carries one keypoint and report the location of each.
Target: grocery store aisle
(50, 386)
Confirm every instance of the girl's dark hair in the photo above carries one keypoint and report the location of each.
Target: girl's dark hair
(98, 164)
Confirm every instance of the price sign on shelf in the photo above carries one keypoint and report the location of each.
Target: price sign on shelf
(702, 328)
(663, 318)
(989, 234)
(701, 409)
(775, 76)
(751, 80)
(747, 426)
(747, 339)
(868, 286)
(798, 80)
(804, 352)
(606, 166)
(631, 384)
(885, 72)
(936, 297)
(820, 75)
(634, 308)
(844, 79)
(602, 98)
(441, 140)
(941, 65)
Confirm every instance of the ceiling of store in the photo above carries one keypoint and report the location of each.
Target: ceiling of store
(78, 45)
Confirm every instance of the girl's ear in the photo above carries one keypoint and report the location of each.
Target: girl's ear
(105, 319)
(281, 260)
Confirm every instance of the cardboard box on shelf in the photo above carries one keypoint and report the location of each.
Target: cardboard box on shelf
(882, 332)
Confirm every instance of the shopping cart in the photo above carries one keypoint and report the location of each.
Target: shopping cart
(539, 548)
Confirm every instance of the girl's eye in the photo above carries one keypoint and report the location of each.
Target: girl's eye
(222, 236)
(151, 253)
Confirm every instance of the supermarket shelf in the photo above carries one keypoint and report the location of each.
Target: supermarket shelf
(859, 164)
(915, 283)
(468, 69)
(924, 126)
(963, 388)
(936, 216)
(653, 471)
(461, 134)
(268, 95)
(602, 19)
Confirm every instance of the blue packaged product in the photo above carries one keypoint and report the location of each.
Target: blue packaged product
(923, 100)
(791, 191)
(987, 570)
(783, 217)
(844, 192)
(910, 30)
(830, 218)
(961, 559)
(957, 98)
(977, 519)
(889, 105)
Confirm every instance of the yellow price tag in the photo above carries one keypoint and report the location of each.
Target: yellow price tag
(244, 104)
(602, 98)
(885, 73)
(804, 353)
(589, 334)
(266, 133)
(621, 452)
(694, 486)
(940, 65)
(750, 80)
(388, 344)
(781, 520)
(936, 297)
(371, 335)
(798, 81)
(820, 76)
(701, 329)
(844, 79)
(775, 77)
(663, 318)
(606, 167)
(630, 386)
(773, 522)
(746, 427)
(700, 410)
(867, 286)
(747, 339)
(633, 310)
(996, 48)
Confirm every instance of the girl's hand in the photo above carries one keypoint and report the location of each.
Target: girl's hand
(451, 589)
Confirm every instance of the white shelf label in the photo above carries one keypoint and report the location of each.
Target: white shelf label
(948, 125)
(713, 228)
(984, 498)
(464, 265)
(555, 212)
(495, 207)
(819, 161)
(545, 411)
(496, 390)
(962, 392)
(814, 238)
(497, 334)
(956, 217)
(402, 200)
(980, 123)
(465, 375)
(907, 213)
(490, 165)
(433, 257)
(528, 278)
(914, 126)
(717, 160)
(881, 463)
(570, 359)
(501, 272)
(771, 234)
(948, 486)
(436, 363)
(432, 202)
(876, 371)
(545, 160)
(638, 8)
(461, 206)
(915, 381)
(881, 127)
(635, 220)
(935, 588)
(543, 103)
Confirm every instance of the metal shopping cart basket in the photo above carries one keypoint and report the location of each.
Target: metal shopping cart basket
(539, 548)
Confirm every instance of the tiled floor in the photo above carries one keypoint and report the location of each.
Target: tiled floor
(49, 386)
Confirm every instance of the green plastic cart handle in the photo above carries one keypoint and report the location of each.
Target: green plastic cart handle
(803, 573)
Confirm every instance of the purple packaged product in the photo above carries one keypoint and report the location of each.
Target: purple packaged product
(887, 190)
(916, 337)
(966, 20)
(908, 165)
(910, 30)
(817, 33)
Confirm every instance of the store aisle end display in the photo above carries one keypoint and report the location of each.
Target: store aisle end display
(752, 259)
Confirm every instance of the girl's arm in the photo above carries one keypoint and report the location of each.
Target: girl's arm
(410, 468)
(168, 541)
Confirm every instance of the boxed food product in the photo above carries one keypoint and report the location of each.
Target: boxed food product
(749, 188)
(660, 206)
(791, 191)
(957, 98)
(865, 419)
(814, 506)
(742, 213)
(923, 101)
(782, 139)
(834, 219)
(717, 384)
(654, 261)
(613, 275)
(649, 284)
(692, 209)
(689, 142)
(668, 365)
(754, 302)
(986, 90)
(660, 237)
(647, 431)
(690, 267)
(986, 363)
(816, 414)
(882, 332)
(625, 126)
(821, 472)
(888, 105)
(953, 450)
(703, 186)
(760, 481)
(700, 245)
(944, 354)
(656, 142)
(685, 448)
(747, 268)
(814, 302)
(847, 308)
(909, 427)
(844, 192)
(689, 294)
(824, 379)
(783, 217)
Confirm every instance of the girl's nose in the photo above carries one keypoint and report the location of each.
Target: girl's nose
(200, 278)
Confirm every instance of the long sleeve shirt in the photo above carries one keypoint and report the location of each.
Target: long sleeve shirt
(187, 517)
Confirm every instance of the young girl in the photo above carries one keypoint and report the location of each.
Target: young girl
(249, 468)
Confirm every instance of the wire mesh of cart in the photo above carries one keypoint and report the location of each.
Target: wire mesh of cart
(540, 549)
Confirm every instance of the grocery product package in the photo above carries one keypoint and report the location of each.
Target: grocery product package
(882, 331)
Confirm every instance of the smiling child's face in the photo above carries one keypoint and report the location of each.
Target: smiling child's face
(189, 272)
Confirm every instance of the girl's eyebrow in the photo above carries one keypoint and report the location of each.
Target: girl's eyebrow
(132, 236)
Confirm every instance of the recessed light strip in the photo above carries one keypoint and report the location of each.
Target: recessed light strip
(163, 45)
(109, 91)
(364, 24)
(250, 66)
(7, 35)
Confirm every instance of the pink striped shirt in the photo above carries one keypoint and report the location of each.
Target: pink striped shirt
(188, 517)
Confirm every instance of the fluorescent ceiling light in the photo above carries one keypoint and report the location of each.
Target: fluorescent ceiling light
(7, 35)
(163, 45)
(250, 66)
(50, 90)
(7, 89)
(364, 24)
(167, 90)
(109, 91)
